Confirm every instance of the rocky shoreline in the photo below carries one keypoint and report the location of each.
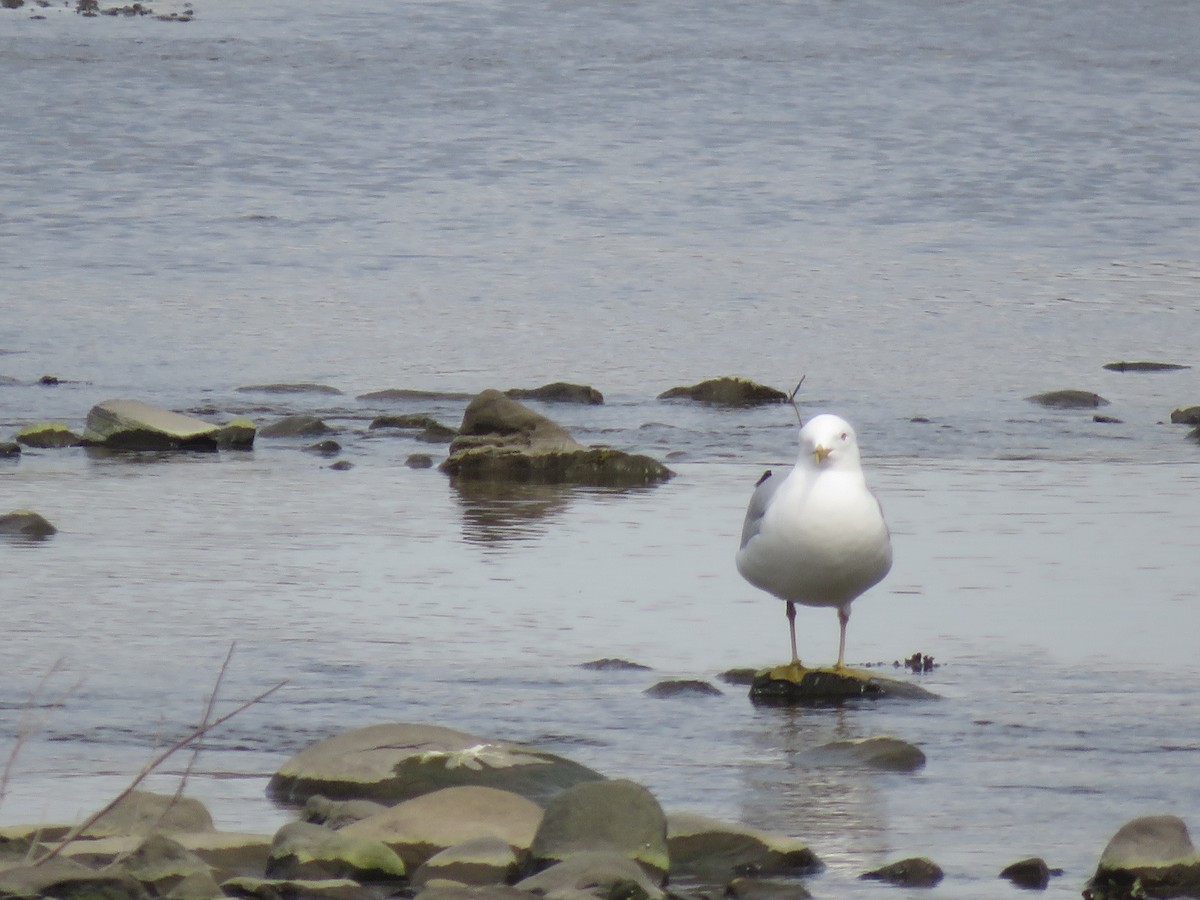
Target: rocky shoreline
(417, 810)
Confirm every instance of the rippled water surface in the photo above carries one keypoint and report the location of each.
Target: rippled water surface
(932, 210)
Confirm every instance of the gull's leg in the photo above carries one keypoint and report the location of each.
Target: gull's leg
(791, 614)
(843, 618)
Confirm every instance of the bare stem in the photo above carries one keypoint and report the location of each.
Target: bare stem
(792, 399)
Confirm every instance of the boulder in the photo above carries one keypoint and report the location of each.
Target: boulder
(1030, 874)
(159, 864)
(794, 685)
(880, 752)
(136, 425)
(229, 853)
(395, 762)
(289, 388)
(682, 687)
(616, 816)
(559, 392)
(1068, 399)
(419, 461)
(1144, 367)
(295, 426)
(142, 812)
(47, 436)
(1186, 415)
(326, 448)
(237, 434)
(9, 450)
(714, 851)
(480, 861)
(743, 677)
(610, 664)
(320, 810)
(501, 439)
(727, 391)
(419, 828)
(916, 872)
(296, 889)
(597, 874)
(65, 878)
(301, 850)
(1152, 856)
(25, 523)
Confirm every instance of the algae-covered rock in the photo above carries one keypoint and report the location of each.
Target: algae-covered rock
(136, 425)
(612, 816)
(295, 889)
(424, 826)
(237, 434)
(394, 762)
(160, 864)
(1068, 399)
(601, 874)
(295, 426)
(48, 436)
(1186, 415)
(714, 851)
(141, 812)
(879, 752)
(916, 872)
(480, 861)
(307, 851)
(792, 684)
(559, 392)
(9, 450)
(25, 523)
(65, 878)
(335, 814)
(1152, 856)
(727, 391)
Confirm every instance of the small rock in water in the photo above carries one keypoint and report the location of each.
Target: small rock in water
(1107, 420)
(136, 425)
(767, 889)
(324, 448)
(1068, 399)
(559, 392)
(916, 872)
(919, 662)
(740, 677)
(726, 391)
(9, 449)
(880, 752)
(1187, 415)
(419, 461)
(47, 435)
(25, 523)
(342, 465)
(1144, 367)
(1031, 874)
(295, 426)
(298, 388)
(684, 687)
(610, 664)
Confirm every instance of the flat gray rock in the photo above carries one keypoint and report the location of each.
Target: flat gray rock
(136, 425)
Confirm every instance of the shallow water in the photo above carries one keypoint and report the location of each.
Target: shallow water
(931, 210)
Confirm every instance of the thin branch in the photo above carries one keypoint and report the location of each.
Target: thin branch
(150, 767)
(792, 399)
(208, 711)
(24, 726)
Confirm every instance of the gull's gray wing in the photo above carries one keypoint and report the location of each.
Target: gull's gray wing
(764, 490)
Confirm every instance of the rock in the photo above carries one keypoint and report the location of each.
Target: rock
(559, 392)
(9, 450)
(437, 433)
(313, 852)
(612, 876)
(64, 878)
(395, 762)
(682, 687)
(611, 816)
(1031, 874)
(1144, 367)
(1151, 856)
(424, 826)
(501, 439)
(715, 851)
(320, 810)
(1188, 415)
(1107, 420)
(342, 465)
(237, 434)
(1068, 399)
(613, 665)
(135, 425)
(740, 677)
(160, 864)
(916, 872)
(480, 861)
(428, 428)
(142, 812)
(295, 426)
(405, 394)
(880, 752)
(47, 435)
(766, 889)
(792, 685)
(324, 448)
(419, 461)
(443, 890)
(229, 853)
(727, 391)
(296, 889)
(297, 388)
(197, 886)
(25, 523)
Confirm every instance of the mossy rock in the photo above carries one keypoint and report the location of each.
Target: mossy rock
(727, 391)
(714, 851)
(48, 436)
(1068, 399)
(1151, 856)
(295, 426)
(794, 685)
(237, 434)
(595, 467)
(1186, 415)
(25, 523)
(919, 871)
(304, 850)
(559, 392)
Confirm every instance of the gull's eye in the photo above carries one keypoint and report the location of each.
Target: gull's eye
(845, 437)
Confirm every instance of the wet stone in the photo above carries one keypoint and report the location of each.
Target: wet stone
(916, 872)
(790, 685)
(682, 688)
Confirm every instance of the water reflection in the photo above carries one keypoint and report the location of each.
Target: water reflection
(497, 512)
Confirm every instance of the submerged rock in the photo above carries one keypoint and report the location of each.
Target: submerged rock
(559, 392)
(1144, 367)
(727, 391)
(419, 461)
(501, 439)
(25, 523)
(714, 851)
(404, 394)
(1152, 856)
(295, 426)
(237, 434)
(1186, 415)
(48, 435)
(9, 450)
(617, 816)
(395, 762)
(795, 685)
(136, 425)
(916, 872)
(1031, 874)
(682, 687)
(879, 752)
(1068, 399)
(287, 388)
(610, 664)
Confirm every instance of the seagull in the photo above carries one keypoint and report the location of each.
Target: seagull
(816, 535)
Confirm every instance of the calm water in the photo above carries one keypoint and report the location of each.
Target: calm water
(931, 209)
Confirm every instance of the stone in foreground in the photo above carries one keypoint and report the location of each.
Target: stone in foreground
(1152, 856)
(612, 876)
(141, 812)
(726, 391)
(302, 850)
(794, 685)
(136, 425)
(393, 762)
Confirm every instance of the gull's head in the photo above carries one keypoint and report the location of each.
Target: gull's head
(828, 442)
